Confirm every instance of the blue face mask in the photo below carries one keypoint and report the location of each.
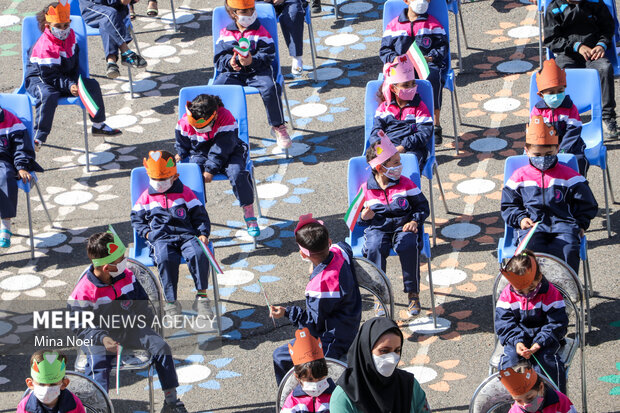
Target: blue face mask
(554, 100)
(542, 163)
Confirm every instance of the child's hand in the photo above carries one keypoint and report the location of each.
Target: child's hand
(523, 351)
(177, 158)
(411, 226)
(582, 232)
(585, 51)
(400, 149)
(73, 89)
(367, 214)
(275, 311)
(208, 176)
(24, 175)
(535, 347)
(245, 61)
(526, 223)
(597, 52)
(233, 63)
(428, 58)
(110, 345)
(203, 239)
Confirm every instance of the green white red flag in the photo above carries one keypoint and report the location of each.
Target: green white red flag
(419, 62)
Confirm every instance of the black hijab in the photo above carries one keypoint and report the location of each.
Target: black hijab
(368, 390)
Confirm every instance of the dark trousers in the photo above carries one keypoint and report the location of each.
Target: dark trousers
(282, 362)
(46, 101)
(291, 15)
(100, 363)
(434, 77)
(605, 73)
(110, 22)
(167, 252)
(8, 190)
(563, 245)
(269, 90)
(377, 246)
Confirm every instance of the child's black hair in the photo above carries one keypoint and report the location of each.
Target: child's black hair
(315, 368)
(314, 237)
(97, 245)
(520, 264)
(371, 153)
(41, 15)
(204, 105)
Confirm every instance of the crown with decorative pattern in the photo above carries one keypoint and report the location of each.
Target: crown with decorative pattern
(551, 75)
(50, 370)
(159, 168)
(59, 14)
(240, 4)
(385, 149)
(517, 383)
(116, 249)
(306, 348)
(200, 122)
(540, 133)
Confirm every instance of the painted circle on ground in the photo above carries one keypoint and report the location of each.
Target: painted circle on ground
(48, 239)
(296, 149)
(5, 327)
(461, 230)
(501, 104)
(488, 144)
(97, 158)
(476, 186)
(181, 17)
(515, 66)
(328, 73)
(8, 20)
(309, 109)
(355, 7)
(235, 277)
(265, 233)
(159, 51)
(447, 276)
(523, 32)
(424, 325)
(20, 282)
(73, 198)
(121, 121)
(192, 373)
(140, 86)
(271, 190)
(341, 39)
(422, 374)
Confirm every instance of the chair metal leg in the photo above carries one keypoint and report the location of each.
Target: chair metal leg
(30, 225)
(86, 140)
(130, 82)
(47, 212)
(586, 292)
(458, 108)
(458, 42)
(441, 192)
(288, 108)
(611, 189)
(336, 9)
(216, 299)
(463, 27)
(151, 390)
(540, 38)
(430, 195)
(430, 284)
(312, 49)
(174, 19)
(135, 39)
(606, 205)
(260, 214)
(456, 133)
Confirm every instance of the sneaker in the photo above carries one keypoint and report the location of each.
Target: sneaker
(282, 137)
(112, 71)
(316, 7)
(132, 59)
(5, 238)
(105, 131)
(176, 407)
(297, 67)
(438, 135)
(172, 309)
(379, 310)
(37, 145)
(610, 129)
(253, 228)
(414, 304)
(202, 305)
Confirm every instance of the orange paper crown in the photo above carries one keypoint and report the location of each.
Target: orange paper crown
(200, 122)
(159, 168)
(550, 76)
(540, 133)
(521, 282)
(306, 348)
(240, 4)
(516, 383)
(59, 14)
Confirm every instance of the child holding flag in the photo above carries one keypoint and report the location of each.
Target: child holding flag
(53, 72)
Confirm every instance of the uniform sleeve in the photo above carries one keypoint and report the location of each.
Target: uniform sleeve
(582, 204)
(24, 155)
(182, 143)
(571, 141)
(439, 49)
(265, 53)
(422, 131)
(222, 54)
(507, 326)
(420, 205)
(395, 42)
(82, 330)
(223, 146)
(313, 317)
(419, 403)
(199, 218)
(138, 217)
(378, 124)
(512, 208)
(557, 319)
(554, 36)
(53, 75)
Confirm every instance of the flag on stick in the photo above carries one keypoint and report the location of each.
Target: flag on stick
(87, 99)
(354, 210)
(526, 239)
(211, 257)
(267, 301)
(419, 62)
(119, 350)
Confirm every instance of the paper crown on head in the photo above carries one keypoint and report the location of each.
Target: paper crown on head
(50, 370)
(200, 122)
(116, 249)
(551, 75)
(159, 168)
(521, 282)
(60, 13)
(399, 71)
(385, 149)
(516, 383)
(240, 4)
(303, 221)
(306, 348)
(540, 133)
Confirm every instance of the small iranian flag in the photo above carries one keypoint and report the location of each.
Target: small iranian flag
(419, 62)
(526, 239)
(87, 99)
(211, 257)
(354, 210)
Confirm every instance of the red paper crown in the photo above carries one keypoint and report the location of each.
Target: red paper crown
(550, 76)
(306, 348)
(200, 122)
(159, 168)
(540, 133)
(516, 383)
(60, 13)
(521, 282)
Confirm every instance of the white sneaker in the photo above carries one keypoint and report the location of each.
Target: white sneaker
(297, 66)
(283, 139)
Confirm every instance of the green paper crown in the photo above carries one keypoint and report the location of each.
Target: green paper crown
(50, 370)
(116, 249)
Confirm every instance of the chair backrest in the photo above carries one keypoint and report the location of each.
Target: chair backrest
(267, 17)
(289, 382)
(373, 279)
(515, 162)
(151, 284)
(233, 98)
(20, 106)
(75, 8)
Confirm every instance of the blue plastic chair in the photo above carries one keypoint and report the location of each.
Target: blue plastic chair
(20, 106)
(358, 172)
(454, 6)
(584, 88)
(439, 10)
(267, 16)
(425, 90)
(30, 35)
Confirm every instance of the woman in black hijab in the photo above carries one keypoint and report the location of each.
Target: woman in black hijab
(372, 383)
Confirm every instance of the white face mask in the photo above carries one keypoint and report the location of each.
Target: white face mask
(46, 394)
(418, 6)
(160, 186)
(393, 172)
(314, 388)
(120, 268)
(246, 21)
(60, 34)
(386, 363)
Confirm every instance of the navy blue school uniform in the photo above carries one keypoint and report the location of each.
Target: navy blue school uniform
(291, 15)
(67, 403)
(109, 17)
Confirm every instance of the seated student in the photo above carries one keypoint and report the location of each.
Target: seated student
(333, 301)
(415, 24)
(174, 223)
(578, 33)
(108, 289)
(558, 109)
(548, 192)
(255, 68)
(53, 72)
(402, 115)
(394, 211)
(109, 17)
(208, 134)
(48, 385)
(314, 390)
(530, 318)
(530, 393)
(16, 162)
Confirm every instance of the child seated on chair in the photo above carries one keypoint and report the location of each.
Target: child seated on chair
(333, 301)
(414, 24)
(109, 17)
(174, 223)
(48, 385)
(314, 390)
(402, 115)
(53, 72)
(531, 319)
(251, 68)
(551, 193)
(209, 135)
(109, 290)
(393, 213)
(558, 109)
(16, 162)
(530, 393)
